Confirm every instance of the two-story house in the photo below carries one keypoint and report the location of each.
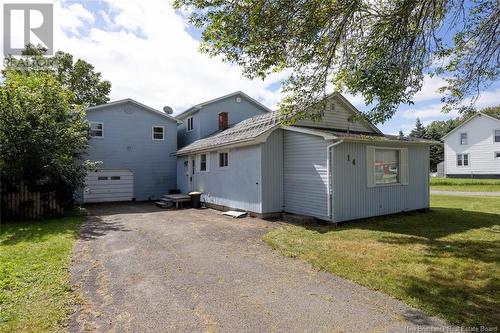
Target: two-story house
(472, 149)
(241, 156)
(136, 145)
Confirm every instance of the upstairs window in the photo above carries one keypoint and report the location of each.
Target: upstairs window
(158, 133)
(190, 124)
(96, 129)
(223, 159)
(463, 160)
(497, 135)
(463, 138)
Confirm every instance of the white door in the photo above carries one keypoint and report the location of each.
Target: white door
(109, 185)
(190, 173)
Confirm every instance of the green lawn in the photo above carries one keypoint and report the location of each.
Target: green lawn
(35, 294)
(465, 185)
(446, 261)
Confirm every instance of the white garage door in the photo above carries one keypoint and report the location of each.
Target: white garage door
(109, 185)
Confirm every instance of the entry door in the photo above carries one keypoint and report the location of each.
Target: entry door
(190, 173)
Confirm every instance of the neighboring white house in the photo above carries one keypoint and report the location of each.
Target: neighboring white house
(473, 148)
(337, 169)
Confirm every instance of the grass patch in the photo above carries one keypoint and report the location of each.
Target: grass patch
(446, 261)
(465, 185)
(35, 293)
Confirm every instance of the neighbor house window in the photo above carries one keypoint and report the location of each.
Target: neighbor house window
(463, 138)
(102, 178)
(158, 132)
(497, 135)
(96, 129)
(190, 124)
(497, 155)
(203, 162)
(462, 159)
(386, 166)
(223, 159)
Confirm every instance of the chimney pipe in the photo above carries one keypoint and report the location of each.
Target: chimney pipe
(223, 121)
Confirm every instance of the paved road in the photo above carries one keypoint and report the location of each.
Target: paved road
(140, 269)
(467, 194)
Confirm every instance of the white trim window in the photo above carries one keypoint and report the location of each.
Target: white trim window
(204, 162)
(189, 124)
(223, 159)
(386, 166)
(463, 138)
(496, 136)
(497, 155)
(462, 160)
(96, 129)
(158, 133)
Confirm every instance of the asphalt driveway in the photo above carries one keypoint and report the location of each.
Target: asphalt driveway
(142, 269)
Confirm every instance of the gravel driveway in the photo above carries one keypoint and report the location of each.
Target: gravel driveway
(141, 269)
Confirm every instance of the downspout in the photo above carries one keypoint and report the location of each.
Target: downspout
(329, 180)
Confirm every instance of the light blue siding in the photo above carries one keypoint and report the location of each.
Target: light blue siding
(128, 144)
(206, 120)
(305, 179)
(272, 173)
(238, 185)
(353, 199)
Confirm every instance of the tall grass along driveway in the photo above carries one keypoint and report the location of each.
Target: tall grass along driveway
(35, 294)
(446, 261)
(465, 184)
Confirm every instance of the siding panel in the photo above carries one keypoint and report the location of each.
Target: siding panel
(127, 144)
(353, 199)
(272, 173)
(305, 175)
(238, 185)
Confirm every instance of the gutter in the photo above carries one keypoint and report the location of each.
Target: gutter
(329, 178)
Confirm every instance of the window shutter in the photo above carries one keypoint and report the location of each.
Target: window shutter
(370, 166)
(403, 155)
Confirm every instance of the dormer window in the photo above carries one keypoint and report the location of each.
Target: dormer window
(463, 138)
(190, 124)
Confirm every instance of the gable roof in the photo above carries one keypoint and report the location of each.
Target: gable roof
(256, 129)
(479, 113)
(354, 110)
(197, 107)
(131, 101)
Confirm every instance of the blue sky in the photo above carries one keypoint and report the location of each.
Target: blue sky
(149, 52)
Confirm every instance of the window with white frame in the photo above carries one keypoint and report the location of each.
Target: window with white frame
(497, 155)
(496, 137)
(463, 160)
(158, 133)
(190, 124)
(96, 129)
(223, 159)
(463, 138)
(203, 162)
(386, 166)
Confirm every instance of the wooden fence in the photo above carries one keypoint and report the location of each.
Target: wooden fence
(17, 202)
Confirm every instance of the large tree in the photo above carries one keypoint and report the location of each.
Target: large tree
(380, 49)
(80, 77)
(41, 135)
